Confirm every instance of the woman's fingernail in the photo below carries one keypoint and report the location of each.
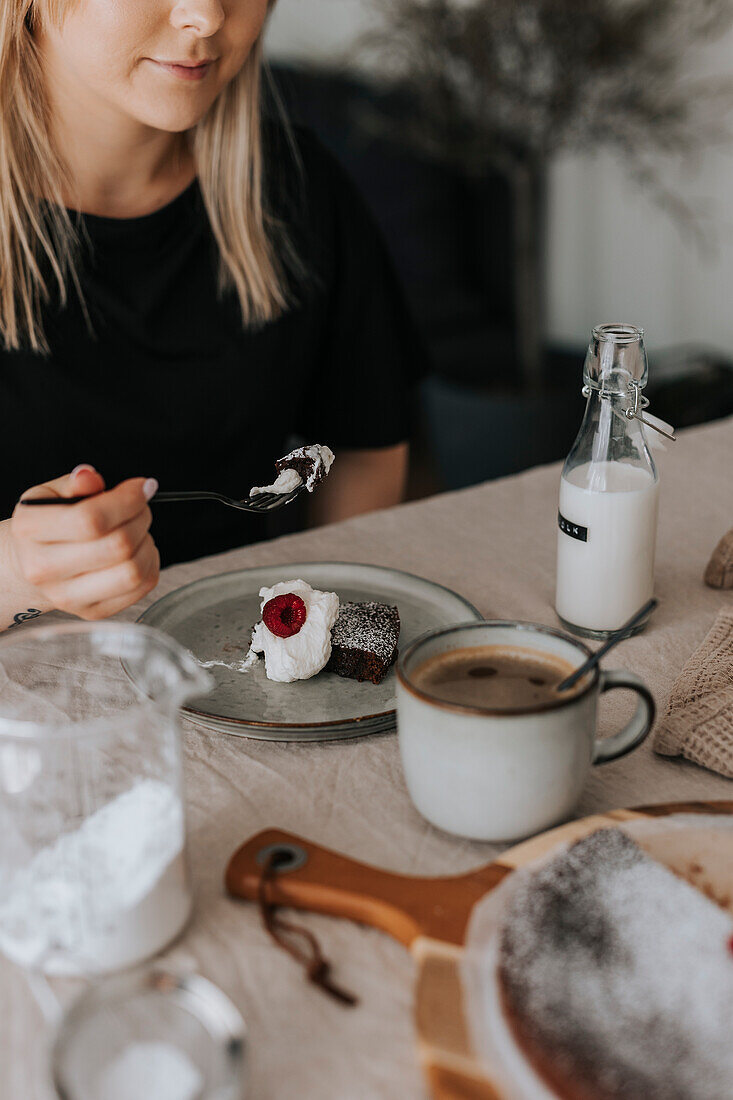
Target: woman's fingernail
(84, 467)
(150, 488)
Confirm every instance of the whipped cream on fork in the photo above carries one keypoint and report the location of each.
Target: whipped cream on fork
(286, 482)
(316, 459)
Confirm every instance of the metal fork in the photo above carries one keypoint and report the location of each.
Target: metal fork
(263, 504)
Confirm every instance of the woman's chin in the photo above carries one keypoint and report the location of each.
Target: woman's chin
(173, 118)
(164, 101)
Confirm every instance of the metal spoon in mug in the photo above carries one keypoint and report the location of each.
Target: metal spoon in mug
(616, 637)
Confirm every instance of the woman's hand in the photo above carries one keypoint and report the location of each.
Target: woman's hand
(93, 558)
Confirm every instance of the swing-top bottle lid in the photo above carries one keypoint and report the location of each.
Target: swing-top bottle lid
(616, 359)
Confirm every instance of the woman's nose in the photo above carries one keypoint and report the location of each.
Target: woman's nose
(204, 17)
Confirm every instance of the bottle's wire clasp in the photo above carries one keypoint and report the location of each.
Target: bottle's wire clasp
(637, 410)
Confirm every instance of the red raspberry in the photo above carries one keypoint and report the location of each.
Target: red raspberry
(284, 615)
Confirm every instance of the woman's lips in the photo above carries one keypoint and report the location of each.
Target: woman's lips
(185, 70)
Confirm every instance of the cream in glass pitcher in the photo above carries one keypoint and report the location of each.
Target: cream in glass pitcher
(609, 492)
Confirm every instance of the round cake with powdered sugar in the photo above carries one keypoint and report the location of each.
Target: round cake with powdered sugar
(617, 977)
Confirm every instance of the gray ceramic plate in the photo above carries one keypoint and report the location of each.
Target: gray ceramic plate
(213, 618)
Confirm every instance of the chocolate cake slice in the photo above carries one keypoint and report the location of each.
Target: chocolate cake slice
(364, 641)
(617, 977)
(312, 464)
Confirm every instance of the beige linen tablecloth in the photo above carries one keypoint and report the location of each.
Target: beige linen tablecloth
(495, 544)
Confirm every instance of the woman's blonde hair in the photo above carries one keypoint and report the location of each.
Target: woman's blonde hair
(38, 238)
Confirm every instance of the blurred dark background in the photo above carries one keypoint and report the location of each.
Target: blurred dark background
(450, 235)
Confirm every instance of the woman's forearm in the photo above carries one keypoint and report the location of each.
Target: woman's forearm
(361, 481)
(19, 600)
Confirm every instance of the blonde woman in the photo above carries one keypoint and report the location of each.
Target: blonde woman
(182, 288)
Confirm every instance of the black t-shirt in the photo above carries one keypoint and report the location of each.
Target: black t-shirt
(170, 385)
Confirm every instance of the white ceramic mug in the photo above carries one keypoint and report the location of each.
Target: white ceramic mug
(493, 775)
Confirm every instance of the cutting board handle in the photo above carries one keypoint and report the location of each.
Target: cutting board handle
(321, 881)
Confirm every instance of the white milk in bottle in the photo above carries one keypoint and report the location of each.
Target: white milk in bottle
(609, 493)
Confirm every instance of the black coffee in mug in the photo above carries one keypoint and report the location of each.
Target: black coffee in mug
(505, 678)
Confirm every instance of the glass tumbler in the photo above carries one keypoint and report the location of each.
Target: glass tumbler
(148, 1034)
(93, 873)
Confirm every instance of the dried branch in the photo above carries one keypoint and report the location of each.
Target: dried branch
(505, 83)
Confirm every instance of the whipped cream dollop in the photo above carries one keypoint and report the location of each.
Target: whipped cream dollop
(317, 459)
(304, 654)
(285, 482)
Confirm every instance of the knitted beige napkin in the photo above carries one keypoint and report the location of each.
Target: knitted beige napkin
(698, 723)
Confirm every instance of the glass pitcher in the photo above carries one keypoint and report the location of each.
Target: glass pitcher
(93, 873)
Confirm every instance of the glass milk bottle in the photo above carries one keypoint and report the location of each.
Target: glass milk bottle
(609, 493)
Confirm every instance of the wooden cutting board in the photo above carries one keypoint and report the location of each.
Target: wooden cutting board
(428, 915)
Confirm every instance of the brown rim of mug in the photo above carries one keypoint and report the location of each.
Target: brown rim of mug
(467, 708)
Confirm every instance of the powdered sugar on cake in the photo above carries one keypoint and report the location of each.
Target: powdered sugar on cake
(367, 626)
(304, 654)
(622, 972)
(305, 464)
